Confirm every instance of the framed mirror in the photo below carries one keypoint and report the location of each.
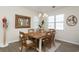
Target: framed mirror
(22, 21)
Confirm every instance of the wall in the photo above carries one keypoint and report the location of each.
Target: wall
(70, 33)
(9, 13)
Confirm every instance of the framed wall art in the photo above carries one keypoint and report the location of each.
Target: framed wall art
(22, 21)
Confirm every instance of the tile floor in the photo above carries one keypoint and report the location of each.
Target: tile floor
(64, 47)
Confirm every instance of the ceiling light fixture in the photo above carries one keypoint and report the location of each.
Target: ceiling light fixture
(53, 6)
(43, 15)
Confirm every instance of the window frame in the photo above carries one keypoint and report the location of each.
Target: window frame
(55, 22)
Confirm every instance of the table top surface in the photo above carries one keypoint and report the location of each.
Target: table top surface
(36, 34)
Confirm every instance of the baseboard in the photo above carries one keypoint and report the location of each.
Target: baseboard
(68, 41)
(1, 44)
(56, 39)
(13, 41)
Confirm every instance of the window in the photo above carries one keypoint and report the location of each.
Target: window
(35, 22)
(59, 22)
(51, 22)
(56, 22)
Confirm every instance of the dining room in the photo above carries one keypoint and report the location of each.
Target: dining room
(39, 29)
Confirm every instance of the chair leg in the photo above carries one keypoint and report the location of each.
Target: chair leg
(35, 49)
(54, 43)
(49, 45)
(21, 48)
(44, 47)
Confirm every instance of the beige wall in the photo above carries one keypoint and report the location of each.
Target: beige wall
(9, 12)
(70, 33)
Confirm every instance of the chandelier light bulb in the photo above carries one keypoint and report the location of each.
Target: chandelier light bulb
(45, 15)
(40, 14)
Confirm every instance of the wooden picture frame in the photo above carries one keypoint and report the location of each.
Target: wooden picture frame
(22, 21)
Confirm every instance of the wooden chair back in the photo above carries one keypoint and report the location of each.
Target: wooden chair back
(41, 30)
(30, 30)
(52, 30)
(22, 38)
(25, 41)
(53, 35)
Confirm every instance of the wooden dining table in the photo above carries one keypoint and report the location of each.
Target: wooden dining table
(38, 36)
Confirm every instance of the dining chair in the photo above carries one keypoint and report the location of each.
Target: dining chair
(53, 31)
(47, 40)
(41, 30)
(26, 42)
(31, 30)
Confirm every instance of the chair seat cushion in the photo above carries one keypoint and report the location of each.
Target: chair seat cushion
(29, 41)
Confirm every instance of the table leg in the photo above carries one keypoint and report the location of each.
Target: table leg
(40, 45)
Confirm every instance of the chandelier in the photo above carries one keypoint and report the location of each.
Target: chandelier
(42, 15)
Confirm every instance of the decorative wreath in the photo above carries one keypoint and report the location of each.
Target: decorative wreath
(72, 20)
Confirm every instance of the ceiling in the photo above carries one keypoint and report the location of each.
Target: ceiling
(44, 9)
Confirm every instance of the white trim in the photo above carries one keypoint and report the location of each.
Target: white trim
(1, 44)
(13, 41)
(76, 43)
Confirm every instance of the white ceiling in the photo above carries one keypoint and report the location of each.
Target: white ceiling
(44, 9)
